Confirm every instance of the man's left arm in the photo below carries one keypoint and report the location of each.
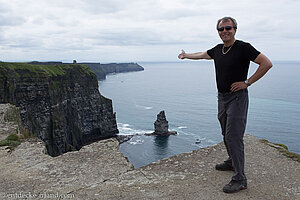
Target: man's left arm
(264, 65)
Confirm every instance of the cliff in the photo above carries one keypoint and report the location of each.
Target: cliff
(100, 171)
(101, 70)
(97, 69)
(121, 67)
(60, 104)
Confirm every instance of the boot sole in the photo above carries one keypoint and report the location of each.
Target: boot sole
(229, 192)
(222, 169)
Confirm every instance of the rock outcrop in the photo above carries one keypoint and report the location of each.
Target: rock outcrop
(161, 125)
(10, 121)
(60, 104)
(100, 171)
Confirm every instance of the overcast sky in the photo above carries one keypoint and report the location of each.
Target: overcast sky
(141, 30)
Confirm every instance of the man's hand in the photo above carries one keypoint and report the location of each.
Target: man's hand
(181, 56)
(238, 86)
(194, 56)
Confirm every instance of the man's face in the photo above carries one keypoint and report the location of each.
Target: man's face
(226, 35)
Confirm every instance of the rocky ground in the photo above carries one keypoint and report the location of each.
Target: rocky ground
(100, 171)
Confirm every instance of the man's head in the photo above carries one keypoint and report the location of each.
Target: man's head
(227, 28)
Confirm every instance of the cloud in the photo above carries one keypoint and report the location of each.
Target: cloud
(115, 28)
(6, 20)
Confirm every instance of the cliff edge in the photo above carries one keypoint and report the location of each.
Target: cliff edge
(60, 104)
(101, 70)
(100, 171)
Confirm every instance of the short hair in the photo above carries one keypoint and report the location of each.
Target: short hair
(227, 19)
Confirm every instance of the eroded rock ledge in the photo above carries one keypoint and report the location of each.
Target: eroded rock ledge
(100, 171)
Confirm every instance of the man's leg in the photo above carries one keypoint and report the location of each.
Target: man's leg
(235, 128)
(222, 117)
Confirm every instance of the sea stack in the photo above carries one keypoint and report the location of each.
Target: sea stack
(161, 126)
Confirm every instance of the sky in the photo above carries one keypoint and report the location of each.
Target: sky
(141, 30)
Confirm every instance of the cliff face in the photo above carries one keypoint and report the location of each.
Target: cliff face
(101, 70)
(97, 69)
(121, 67)
(60, 104)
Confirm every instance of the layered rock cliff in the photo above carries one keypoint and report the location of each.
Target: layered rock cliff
(101, 70)
(121, 67)
(60, 104)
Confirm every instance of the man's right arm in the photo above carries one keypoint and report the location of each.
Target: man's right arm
(194, 56)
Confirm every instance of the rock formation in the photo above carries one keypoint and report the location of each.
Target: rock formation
(60, 104)
(161, 126)
(10, 121)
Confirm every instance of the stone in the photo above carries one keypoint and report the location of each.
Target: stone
(161, 126)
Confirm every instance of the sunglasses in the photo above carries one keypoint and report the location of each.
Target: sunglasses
(227, 28)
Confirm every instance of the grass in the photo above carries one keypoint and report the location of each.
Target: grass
(12, 141)
(30, 70)
(283, 149)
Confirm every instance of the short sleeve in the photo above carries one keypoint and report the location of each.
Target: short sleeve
(211, 52)
(250, 52)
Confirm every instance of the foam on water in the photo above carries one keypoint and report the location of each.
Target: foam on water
(182, 127)
(127, 129)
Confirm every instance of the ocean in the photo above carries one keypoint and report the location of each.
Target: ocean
(186, 91)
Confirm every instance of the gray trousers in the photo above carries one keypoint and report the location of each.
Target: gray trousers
(232, 115)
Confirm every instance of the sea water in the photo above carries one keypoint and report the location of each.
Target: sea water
(187, 92)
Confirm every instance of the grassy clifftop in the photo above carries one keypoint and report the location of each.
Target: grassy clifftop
(29, 70)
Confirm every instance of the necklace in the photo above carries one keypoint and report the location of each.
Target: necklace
(223, 49)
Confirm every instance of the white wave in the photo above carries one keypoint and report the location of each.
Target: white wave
(127, 129)
(182, 127)
(136, 142)
(144, 107)
(121, 124)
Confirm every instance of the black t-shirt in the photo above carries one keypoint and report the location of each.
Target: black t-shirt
(234, 65)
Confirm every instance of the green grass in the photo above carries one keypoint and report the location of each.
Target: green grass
(283, 149)
(25, 69)
(12, 141)
(30, 70)
(282, 145)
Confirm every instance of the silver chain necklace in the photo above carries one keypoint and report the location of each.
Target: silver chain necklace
(223, 49)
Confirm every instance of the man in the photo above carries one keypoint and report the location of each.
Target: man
(232, 59)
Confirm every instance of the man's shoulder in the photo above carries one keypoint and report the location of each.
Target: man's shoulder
(242, 43)
(217, 46)
(247, 49)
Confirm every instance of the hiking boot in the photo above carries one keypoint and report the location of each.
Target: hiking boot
(235, 186)
(224, 167)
